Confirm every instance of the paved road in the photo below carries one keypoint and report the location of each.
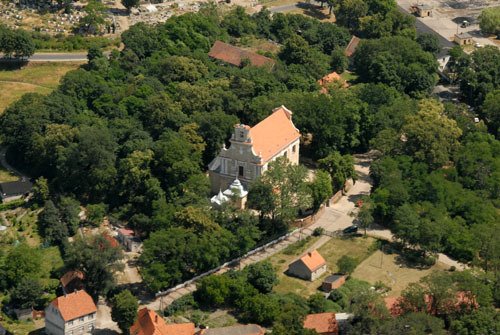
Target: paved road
(58, 57)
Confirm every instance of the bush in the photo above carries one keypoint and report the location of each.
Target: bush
(181, 305)
(296, 247)
(347, 264)
(452, 268)
(318, 231)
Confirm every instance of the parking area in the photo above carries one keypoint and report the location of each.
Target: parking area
(447, 17)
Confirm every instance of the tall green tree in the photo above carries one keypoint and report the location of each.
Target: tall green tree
(489, 20)
(340, 167)
(124, 310)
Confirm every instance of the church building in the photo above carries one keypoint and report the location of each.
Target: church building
(252, 149)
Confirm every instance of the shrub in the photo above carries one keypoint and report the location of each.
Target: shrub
(318, 231)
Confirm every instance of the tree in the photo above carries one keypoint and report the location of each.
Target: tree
(26, 294)
(484, 320)
(489, 20)
(347, 264)
(40, 191)
(339, 60)
(321, 188)
(22, 262)
(491, 111)
(349, 13)
(94, 52)
(430, 136)
(129, 4)
(340, 169)
(288, 186)
(98, 261)
(291, 321)
(429, 42)
(69, 210)
(96, 213)
(92, 22)
(317, 303)
(414, 323)
(262, 276)
(260, 308)
(124, 310)
(53, 230)
(365, 217)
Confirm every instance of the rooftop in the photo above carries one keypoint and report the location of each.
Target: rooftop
(14, 188)
(126, 232)
(332, 278)
(74, 305)
(274, 133)
(463, 35)
(69, 276)
(233, 55)
(313, 260)
(322, 323)
(150, 323)
(351, 47)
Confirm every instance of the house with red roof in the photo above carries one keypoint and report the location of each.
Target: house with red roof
(129, 240)
(233, 55)
(309, 267)
(253, 148)
(72, 281)
(150, 323)
(322, 323)
(73, 313)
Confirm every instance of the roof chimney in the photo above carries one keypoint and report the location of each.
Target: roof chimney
(309, 254)
(156, 318)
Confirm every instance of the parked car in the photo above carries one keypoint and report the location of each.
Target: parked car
(350, 230)
(465, 24)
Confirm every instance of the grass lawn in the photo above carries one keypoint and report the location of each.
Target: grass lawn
(34, 77)
(386, 268)
(335, 248)
(5, 175)
(215, 319)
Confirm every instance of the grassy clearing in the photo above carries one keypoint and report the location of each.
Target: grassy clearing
(35, 77)
(5, 175)
(335, 248)
(22, 227)
(386, 268)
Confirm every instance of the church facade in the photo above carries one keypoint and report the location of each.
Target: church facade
(253, 148)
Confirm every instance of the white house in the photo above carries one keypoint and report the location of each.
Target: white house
(309, 267)
(71, 314)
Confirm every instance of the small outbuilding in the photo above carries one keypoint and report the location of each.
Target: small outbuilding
(129, 240)
(352, 46)
(72, 281)
(15, 190)
(309, 267)
(463, 39)
(333, 282)
(422, 10)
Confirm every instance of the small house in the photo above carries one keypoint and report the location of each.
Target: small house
(15, 190)
(129, 240)
(423, 10)
(322, 323)
(72, 281)
(333, 282)
(73, 313)
(251, 329)
(150, 323)
(309, 267)
(463, 39)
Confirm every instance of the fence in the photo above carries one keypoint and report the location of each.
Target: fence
(223, 266)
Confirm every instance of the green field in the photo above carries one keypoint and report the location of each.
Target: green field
(6, 176)
(34, 77)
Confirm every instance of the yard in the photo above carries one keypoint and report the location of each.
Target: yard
(387, 269)
(358, 247)
(5, 175)
(35, 77)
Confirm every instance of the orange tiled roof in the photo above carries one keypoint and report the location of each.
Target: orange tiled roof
(112, 241)
(273, 134)
(322, 323)
(313, 260)
(150, 323)
(75, 305)
(233, 55)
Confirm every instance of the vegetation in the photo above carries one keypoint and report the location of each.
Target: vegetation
(489, 21)
(17, 43)
(124, 311)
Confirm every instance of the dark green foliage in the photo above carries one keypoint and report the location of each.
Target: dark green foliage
(26, 294)
(17, 43)
(130, 3)
(124, 310)
(429, 42)
(262, 276)
(414, 323)
(347, 264)
(53, 230)
(22, 262)
(478, 322)
(398, 62)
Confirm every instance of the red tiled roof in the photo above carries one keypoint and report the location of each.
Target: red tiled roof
(313, 260)
(273, 134)
(69, 276)
(150, 323)
(351, 47)
(75, 305)
(234, 55)
(322, 323)
(126, 232)
(112, 241)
